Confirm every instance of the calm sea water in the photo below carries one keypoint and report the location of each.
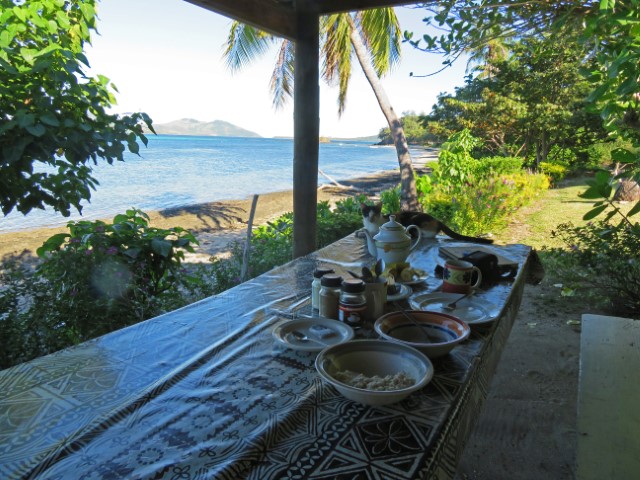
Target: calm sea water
(175, 171)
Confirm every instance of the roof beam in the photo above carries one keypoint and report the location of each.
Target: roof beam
(325, 7)
(270, 17)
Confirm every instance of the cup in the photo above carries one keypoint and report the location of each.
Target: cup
(458, 276)
(376, 295)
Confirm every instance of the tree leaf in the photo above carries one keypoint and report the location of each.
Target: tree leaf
(37, 130)
(594, 213)
(161, 247)
(634, 210)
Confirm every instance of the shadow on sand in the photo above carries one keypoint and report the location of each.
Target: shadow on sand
(212, 216)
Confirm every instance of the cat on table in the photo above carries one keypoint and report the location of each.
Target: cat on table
(373, 219)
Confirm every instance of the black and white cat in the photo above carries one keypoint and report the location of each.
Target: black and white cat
(373, 219)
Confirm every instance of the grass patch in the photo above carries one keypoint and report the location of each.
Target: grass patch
(533, 225)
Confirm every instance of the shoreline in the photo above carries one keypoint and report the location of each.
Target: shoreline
(216, 224)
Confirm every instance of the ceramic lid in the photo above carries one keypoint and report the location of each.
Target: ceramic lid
(391, 231)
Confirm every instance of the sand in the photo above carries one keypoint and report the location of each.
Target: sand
(215, 224)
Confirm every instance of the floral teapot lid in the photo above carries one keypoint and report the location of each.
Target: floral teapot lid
(392, 231)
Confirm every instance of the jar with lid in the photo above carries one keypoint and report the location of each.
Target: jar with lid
(352, 303)
(315, 286)
(329, 295)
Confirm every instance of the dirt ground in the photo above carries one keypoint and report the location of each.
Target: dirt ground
(527, 429)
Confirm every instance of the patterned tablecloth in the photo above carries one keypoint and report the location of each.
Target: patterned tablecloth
(205, 392)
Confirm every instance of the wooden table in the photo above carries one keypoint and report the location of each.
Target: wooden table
(205, 392)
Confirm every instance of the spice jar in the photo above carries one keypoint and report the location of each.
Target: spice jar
(329, 295)
(315, 286)
(352, 303)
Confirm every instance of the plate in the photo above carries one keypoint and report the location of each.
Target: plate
(405, 291)
(416, 281)
(322, 332)
(472, 310)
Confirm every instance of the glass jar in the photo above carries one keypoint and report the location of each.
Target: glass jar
(315, 286)
(352, 303)
(329, 295)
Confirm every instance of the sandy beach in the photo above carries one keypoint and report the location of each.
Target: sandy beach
(215, 224)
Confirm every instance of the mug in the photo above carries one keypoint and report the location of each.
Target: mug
(458, 276)
(376, 295)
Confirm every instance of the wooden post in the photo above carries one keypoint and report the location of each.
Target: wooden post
(306, 130)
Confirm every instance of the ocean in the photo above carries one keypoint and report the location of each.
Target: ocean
(175, 171)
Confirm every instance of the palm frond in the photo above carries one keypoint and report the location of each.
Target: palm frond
(380, 30)
(244, 44)
(282, 77)
(336, 54)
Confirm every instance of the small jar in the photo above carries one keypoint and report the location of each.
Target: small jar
(315, 286)
(329, 295)
(353, 302)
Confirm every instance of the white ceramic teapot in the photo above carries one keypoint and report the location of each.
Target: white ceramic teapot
(393, 242)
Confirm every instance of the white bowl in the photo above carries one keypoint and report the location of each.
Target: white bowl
(374, 357)
(444, 331)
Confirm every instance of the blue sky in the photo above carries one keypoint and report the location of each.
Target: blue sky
(165, 57)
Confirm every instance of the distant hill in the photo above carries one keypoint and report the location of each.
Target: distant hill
(189, 126)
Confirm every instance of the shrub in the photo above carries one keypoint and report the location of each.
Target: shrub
(494, 166)
(93, 280)
(602, 263)
(456, 167)
(555, 171)
(390, 199)
(485, 205)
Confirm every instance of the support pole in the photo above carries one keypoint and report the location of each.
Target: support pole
(306, 130)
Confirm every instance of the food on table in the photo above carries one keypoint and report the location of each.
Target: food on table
(397, 381)
(403, 272)
(321, 331)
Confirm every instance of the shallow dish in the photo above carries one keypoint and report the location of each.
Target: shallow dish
(443, 332)
(374, 357)
(321, 332)
(471, 310)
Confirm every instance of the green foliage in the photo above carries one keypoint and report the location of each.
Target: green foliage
(456, 167)
(532, 103)
(601, 263)
(555, 171)
(391, 200)
(96, 279)
(601, 189)
(53, 117)
(486, 205)
(615, 29)
(606, 31)
(414, 127)
(476, 196)
(494, 166)
(105, 276)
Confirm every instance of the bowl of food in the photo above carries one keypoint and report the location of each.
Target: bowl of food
(434, 334)
(374, 372)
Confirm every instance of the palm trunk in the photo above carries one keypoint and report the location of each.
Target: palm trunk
(408, 196)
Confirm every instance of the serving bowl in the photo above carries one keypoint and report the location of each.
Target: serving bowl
(436, 336)
(371, 358)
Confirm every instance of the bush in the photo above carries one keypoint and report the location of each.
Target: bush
(555, 171)
(494, 166)
(390, 199)
(93, 280)
(602, 263)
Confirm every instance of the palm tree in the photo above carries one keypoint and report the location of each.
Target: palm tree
(372, 35)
